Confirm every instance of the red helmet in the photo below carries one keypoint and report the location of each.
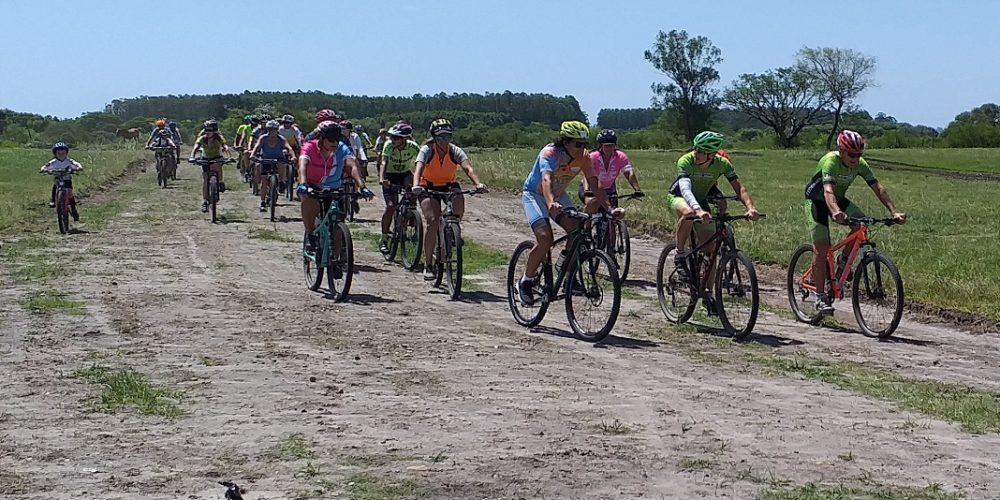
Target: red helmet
(329, 130)
(851, 141)
(326, 115)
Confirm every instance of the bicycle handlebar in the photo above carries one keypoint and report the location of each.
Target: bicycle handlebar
(726, 217)
(871, 221)
(212, 162)
(160, 147)
(447, 195)
(272, 161)
(638, 195)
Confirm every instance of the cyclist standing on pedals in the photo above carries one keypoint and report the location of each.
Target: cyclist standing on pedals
(321, 166)
(609, 162)
(394, 173)
(826, 198)
(59, 163)
(436, 169)
(545, 195)
(698, 171)
(272, 146)
(211, 144)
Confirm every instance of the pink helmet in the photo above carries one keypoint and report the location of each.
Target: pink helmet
(851, 141)
(325, 115)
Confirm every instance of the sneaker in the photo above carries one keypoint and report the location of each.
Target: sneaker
(680, 263)
(710, 307)
(76, 215)
(52, 204)
(204, 207)
(823, 306)
(222, 187)
(429, 273)
(525, 291)
(263, 206)
(383, 244)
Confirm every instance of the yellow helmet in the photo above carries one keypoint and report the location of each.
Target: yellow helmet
(574, 130)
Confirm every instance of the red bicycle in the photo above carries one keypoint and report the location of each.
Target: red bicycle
(62, 198)
(876, 287)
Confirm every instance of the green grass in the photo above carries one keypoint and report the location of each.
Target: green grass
(692, 464)
(125, 388)
(944, 253)
(614, 427)
(819, 492)
(974, 410)
(365, 486)
(48, 303)
(257, 233)
(292, 447)
(985, 160)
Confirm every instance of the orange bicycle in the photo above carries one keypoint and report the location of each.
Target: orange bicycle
(876, 287)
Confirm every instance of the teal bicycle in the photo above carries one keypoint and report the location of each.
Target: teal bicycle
(334, 253)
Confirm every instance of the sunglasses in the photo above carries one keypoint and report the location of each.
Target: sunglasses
(854, 155)
(580, 144)
(443, 137)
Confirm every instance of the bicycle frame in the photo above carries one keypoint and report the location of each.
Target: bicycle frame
(582, 238)
(854, 241)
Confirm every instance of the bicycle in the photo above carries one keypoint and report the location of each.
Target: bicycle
(165, 164)
(581, 277)
(62, 198)
(349, 186)
(679, 297)
(269, 175)
(617, 246)
(331, 233)
(866, 282)
(447, 256)
(246, 173)
(407, 233)
(292, 173)
(213, 181)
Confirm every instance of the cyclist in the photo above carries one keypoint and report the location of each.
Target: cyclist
(175, 135)
(291, 132)
(162, 139)
(545, 195)
(360, 130)
(243, 140)
(826, 198)
(357, 146)
(394, 174)
(62, 162)
(437, 165)
(321, 165)
(211, 144)
(383, 137)
(271, 146)
(322, 116)
(698, 171)
(159, 125)
(609, 162)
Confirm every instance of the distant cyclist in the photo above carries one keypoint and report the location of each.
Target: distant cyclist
(322, 116)
(61, 162)
(211, 145)
(395, 172)
(159, 126)
(271, 146)
(290, 131)
(175, 135)
(609, 162)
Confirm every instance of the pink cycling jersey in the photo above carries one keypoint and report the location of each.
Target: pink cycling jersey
(607, 174)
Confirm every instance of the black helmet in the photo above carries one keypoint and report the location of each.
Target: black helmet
(329, 130)
(211, 125)
(59, 145)
(441, 126)
(607, 136)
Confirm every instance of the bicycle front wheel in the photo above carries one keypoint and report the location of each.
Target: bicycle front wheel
(62, 211)
(453, 258)
(736, 294)
(877, 296)
(801, 299)
(527, 314)
(311, 267)
(213, 196)
(411, 239)
(673, 292)
(340, 269)
(272, 196)
(593, 295)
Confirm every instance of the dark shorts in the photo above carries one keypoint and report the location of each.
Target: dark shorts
(398, 183)
(819, 216)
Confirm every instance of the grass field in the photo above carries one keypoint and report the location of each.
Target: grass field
(984, 160)
(25, 192)
(943, 252)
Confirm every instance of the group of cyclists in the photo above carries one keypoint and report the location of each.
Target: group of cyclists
(335, 151)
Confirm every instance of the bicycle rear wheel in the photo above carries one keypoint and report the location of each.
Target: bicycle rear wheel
(340, 269)
(593, 295)
(620, 248)
(453, 258)
(213, 196)
(411, 239)
(673, 292)
(62, 211)
(800, 299)
(311, 267)
(528, 315)
(272, 196)
(877, 296)
(736, 294)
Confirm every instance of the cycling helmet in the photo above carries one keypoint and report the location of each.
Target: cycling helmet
(161, 123)
(272, 124)
(211, 126)
(59, 145)
(441, 126)
(401, 130)
(264, 117)
(288, 119)
(709, 142)
(329, 130)
(249, 118)
(359, 129)
(851, 141)
(347, 125)
(607, 136)
(172, 124)
(325, 115)
(254, 120)
(574, 130)
(383, 131)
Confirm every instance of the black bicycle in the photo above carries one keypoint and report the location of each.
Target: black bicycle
(213, 182)
(349, 187)
(612, 236)
(736, 298)
(166, 164)
(407, 233)
(269, 177)
(334, 254)
(588, 278)
(447, 258)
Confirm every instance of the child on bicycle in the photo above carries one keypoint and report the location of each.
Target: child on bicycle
(826, 198)
(63, 163)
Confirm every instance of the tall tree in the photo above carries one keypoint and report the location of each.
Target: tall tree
(690, 64)
(785, 99)
(842, 74)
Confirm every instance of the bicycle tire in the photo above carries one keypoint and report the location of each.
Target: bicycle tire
(863, 283)
(62, 211)
(272, 195)
(795, 292)
(666, 286)
(411, 245)
(453, 260)
(340, 287)
(620, 248)
(725, 287)
(213, 196)
(312, 269)
(437, 258)
(587, 269)
(514, 273)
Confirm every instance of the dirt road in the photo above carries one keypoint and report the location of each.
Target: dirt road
(402, 393)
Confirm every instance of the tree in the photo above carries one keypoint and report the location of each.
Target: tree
(842, 74)
(785, 99)
(690, 63)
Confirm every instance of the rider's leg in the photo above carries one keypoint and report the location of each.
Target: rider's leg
(458, 203)
(204, 185)
(310, 211)
(390, 195)
(819, 217)
(217, 168)
(431, 208)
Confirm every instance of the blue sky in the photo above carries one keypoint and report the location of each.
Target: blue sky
(935, 59)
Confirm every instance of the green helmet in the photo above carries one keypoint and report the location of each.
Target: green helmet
(574, 130)
(247, 118)
(709, 142)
